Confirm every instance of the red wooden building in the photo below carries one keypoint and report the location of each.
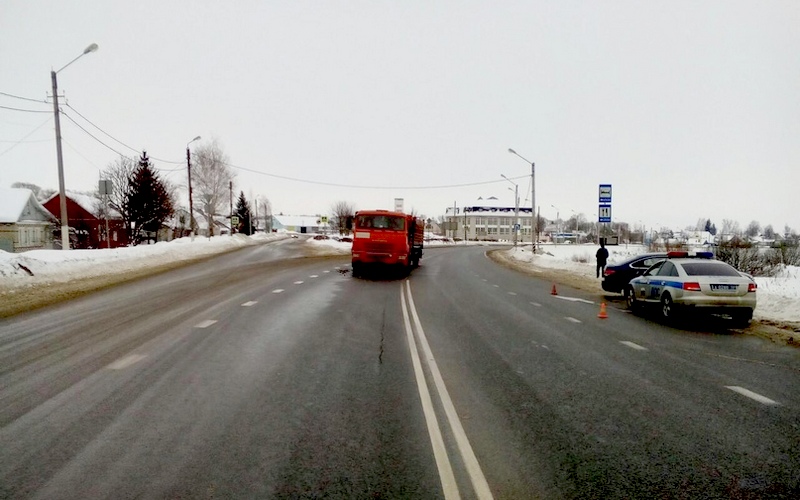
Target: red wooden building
(87, 226)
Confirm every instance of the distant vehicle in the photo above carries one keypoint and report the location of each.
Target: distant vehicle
(681, 283)
(616, 277)
(386, 239)
(295, 236)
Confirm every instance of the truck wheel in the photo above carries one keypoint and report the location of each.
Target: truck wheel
(356, 270)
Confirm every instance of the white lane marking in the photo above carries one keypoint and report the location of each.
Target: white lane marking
(573, 299)
(752, 395)
(479, 483)
(325, 271)
(126, 361)
(512, 293)
(574, 320)
(314, 276)
(633, 345)
(298, 282)
(250, 303)
(484, 280)
(205, 324)
(278, 290)
(536, 304)
(496, 286)
(446, 476)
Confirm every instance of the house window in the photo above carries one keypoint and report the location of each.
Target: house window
(492, 221)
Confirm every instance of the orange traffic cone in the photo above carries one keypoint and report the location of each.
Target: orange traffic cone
(553, 291)
(602, 314)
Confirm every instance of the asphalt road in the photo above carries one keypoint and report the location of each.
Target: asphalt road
(257, 375)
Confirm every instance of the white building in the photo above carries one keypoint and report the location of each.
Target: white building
(488, 219)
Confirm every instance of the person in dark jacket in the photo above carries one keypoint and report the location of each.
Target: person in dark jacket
(602, 258)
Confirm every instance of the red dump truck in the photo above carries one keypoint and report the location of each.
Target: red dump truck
(386, 239)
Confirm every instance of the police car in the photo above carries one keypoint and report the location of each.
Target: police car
(686, 281)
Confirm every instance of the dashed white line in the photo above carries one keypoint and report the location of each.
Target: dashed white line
(496, 286)
(633, 345)
(250, 303)
(536, 304)
(314, 276)
(574, 320)
(512, 293)
(278, 290)
(325, 271)
(752, 395)
(205, 324)
(126, 361)
(298, 282)
(573, 299)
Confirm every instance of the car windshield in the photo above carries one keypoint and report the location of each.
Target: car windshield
(709, 269)
(381, 222)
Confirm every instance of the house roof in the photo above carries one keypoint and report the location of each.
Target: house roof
(86, 201)
(13, 202)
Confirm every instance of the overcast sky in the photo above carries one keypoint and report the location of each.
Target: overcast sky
(689, 109)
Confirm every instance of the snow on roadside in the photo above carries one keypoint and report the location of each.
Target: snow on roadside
(778, 297)
(58, 266)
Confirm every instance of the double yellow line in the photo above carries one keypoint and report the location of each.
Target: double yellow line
(417, 335)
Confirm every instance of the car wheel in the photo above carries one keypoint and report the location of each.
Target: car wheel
(742, 319)
(630, 300)
(667, 308)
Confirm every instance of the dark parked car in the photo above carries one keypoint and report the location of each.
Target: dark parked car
(616, 277)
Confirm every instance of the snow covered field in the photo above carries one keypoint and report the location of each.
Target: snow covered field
(778, 298)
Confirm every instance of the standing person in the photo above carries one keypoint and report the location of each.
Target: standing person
(602, 257)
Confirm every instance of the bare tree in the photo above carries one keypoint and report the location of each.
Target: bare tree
(342, 210)
(730, 227)
(120, 173)
(753, 229)
(211, 177)
(38, 192)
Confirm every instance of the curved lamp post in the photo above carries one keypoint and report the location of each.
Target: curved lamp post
(61, 190)
(534, 217)
(189, 173)
(516, 207)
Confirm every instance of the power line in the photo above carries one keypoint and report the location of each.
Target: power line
(333, 184)
(90, 134)
(118, 141)
(27, 135)
(44, 101)
(24, 110)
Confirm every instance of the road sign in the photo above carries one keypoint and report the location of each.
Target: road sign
(604, 213)
(106, 187)
(235, 220)
(605, 193)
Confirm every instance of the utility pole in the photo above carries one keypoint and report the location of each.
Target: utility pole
(230, 188)
(189, 173)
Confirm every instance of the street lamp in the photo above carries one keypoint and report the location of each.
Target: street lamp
(516, 206)
(558, 222)
(534, 218)
(189, 173)
(61, 190)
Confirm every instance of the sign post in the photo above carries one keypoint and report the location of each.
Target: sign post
(604, 210)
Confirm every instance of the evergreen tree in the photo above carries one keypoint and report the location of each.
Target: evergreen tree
(149, 203)
(244, 212)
